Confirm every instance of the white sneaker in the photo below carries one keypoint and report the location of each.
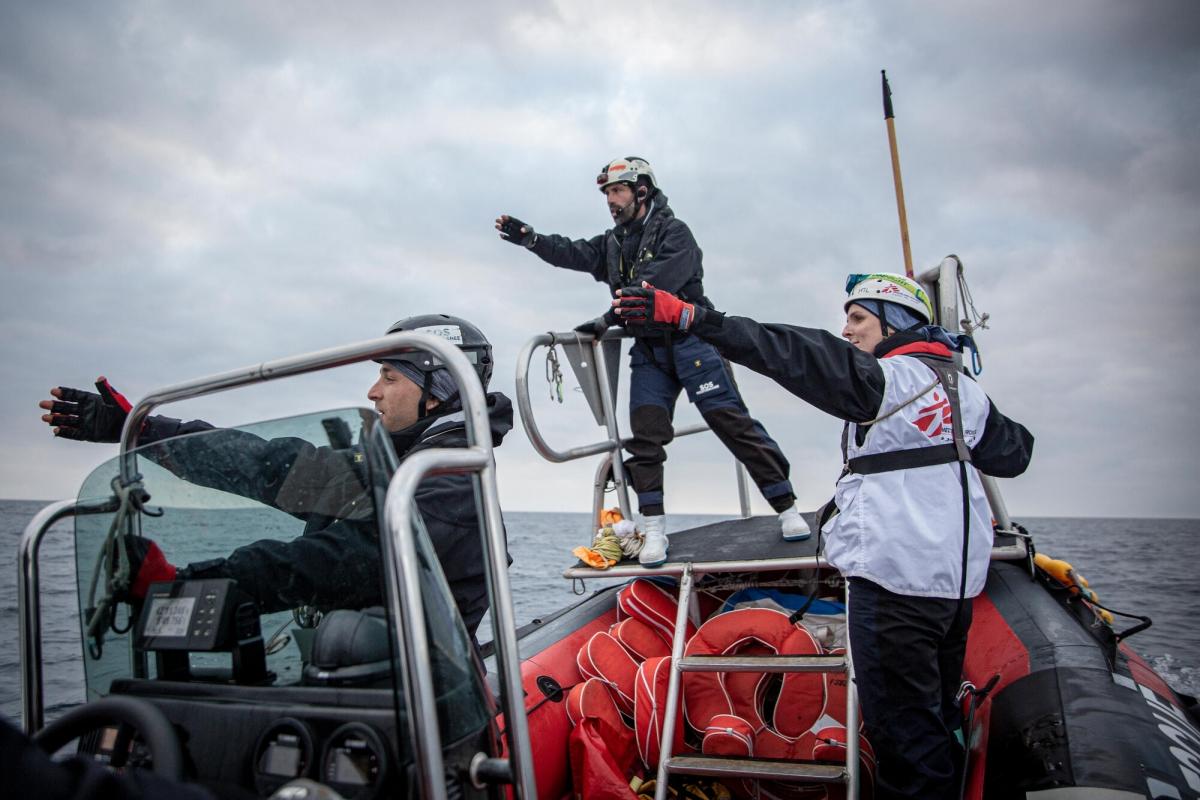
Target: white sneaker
(654, 550)
(793, 526)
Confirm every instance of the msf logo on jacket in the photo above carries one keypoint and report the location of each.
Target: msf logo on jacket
(935, 418)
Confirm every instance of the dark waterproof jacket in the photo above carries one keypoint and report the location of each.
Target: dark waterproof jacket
(658, 248)
(838, 378)
(336, 562)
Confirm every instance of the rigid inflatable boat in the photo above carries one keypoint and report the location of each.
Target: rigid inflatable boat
(721, 673)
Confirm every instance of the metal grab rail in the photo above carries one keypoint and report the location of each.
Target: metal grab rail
(400, 550)
(29, 612)
(945, 278)
(398, 512)
(525, 407)
(29, 603)
(597, 370)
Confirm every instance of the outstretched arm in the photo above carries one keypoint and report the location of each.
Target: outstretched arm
(581, 255)
(337, 567)
(812, 364)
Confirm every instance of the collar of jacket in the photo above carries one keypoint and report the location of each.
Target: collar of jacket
(658, 208)
(449, 429)
(404, 440)
(910, 343)
(632, 228)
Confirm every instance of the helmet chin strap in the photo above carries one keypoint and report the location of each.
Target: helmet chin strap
(427, 386)
(641, 196)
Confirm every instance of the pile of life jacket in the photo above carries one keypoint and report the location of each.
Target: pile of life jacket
(794, 716)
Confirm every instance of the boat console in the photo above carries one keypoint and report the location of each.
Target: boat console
(306, 631)
(272, 657)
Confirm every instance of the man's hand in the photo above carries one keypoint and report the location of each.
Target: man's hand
(513, 230)
(87, 416)
(596, 327)
(639, 306)
(147, 565)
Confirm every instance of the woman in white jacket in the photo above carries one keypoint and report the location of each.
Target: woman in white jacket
(909, 525)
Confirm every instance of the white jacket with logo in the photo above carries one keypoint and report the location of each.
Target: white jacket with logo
(901, 529)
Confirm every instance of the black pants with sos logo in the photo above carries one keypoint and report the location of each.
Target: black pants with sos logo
(658, 372)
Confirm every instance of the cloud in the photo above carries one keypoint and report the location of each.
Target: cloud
(191, 189)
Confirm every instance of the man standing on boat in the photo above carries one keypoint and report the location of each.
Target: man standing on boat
(649, 243)
(336, 563)
(909, 525)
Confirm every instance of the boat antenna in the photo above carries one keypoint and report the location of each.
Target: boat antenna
(889, 119)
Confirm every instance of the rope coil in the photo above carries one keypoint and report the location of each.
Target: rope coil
(113, 560)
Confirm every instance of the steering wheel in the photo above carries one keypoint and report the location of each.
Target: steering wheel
(146, 720)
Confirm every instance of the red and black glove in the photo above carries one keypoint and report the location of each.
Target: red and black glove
(147, 565)
(87, 416)
(639, 306)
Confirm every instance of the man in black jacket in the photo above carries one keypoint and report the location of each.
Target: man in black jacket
(649, 243)
(335, 564)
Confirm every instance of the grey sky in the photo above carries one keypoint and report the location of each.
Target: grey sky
(190, 188)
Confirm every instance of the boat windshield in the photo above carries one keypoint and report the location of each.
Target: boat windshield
(274, 529)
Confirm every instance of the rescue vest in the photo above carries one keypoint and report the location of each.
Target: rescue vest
(903, 520)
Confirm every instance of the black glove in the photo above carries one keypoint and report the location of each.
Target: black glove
(147, 565)
(596, 327)
(513, 230)
(87, 416)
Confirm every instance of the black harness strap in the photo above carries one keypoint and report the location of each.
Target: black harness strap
(949, 380)
(903, 459)
(918, 456)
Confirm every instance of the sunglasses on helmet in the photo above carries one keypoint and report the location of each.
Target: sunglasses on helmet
(602, 178)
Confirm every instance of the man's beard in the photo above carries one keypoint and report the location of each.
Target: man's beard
(623, 214)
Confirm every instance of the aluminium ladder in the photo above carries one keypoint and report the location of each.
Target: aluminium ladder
(750, 767)
(687, 569)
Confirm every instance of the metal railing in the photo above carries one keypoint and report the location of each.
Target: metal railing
(598, 380)
(400, 560)
(944, 280)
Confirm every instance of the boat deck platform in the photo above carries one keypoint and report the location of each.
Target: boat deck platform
(747, 544)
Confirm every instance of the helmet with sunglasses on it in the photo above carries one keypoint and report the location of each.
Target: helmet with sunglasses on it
(872, 290)
(627, 170)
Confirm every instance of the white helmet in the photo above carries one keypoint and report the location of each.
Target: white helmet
(626, 170)
(890, 288)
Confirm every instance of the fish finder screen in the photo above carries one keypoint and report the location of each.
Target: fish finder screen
(169, 616)
(352, 766)
(282, 759)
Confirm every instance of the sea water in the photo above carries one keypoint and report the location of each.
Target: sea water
(1142, 566)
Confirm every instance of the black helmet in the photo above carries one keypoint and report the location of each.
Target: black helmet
(455, 330)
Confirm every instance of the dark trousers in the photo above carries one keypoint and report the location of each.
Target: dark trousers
(908, 656)
(658, 373)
